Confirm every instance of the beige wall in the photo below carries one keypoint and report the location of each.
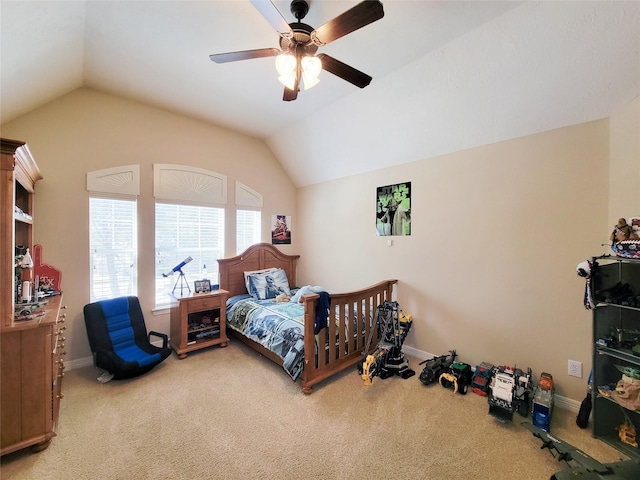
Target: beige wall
(87, 130)
(624, 165)
(496, 236)
(490, 266)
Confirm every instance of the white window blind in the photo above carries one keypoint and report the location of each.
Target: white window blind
(184, 231)
(113, 243)
(248, 225)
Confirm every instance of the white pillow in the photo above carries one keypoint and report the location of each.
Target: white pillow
(267, 284)
(251, 272)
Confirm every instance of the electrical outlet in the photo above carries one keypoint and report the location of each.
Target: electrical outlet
(575, 368)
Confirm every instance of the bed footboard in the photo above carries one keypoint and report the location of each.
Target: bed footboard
(340, 345)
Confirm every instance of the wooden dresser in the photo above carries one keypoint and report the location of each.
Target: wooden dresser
(31, 365)
(32, 371)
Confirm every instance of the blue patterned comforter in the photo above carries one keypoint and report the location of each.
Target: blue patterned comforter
(277, 326)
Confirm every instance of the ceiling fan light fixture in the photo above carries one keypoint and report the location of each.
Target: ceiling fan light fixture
(288, 81)
(311, 67)
(310, 82)
(298, 40)
(286, 64)
(286, 67)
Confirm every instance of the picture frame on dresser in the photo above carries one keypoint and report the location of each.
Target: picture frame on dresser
(202, 286)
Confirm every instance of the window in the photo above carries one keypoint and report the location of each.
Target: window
(247, 229)
(184, 231)
(113, 245)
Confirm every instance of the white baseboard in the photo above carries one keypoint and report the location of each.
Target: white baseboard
(559, 401)
(79, 363)
(566, 403)
(414, 352)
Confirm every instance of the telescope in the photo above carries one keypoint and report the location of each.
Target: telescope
(178, 267)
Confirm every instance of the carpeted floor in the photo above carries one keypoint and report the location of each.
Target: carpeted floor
(227, 413)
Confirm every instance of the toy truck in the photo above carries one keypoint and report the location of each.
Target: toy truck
(510, 392)
(458, 378)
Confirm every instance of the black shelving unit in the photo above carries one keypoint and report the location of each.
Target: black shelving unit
(616, 326)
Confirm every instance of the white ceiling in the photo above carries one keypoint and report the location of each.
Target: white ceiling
(447, 75)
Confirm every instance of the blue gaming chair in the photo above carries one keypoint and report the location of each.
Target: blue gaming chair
(118, 338)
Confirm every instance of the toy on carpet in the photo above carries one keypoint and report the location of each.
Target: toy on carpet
(543, 402)
(582, 465)
(481, 379)
(387, 359)
(510, 392)
(436, 366)
(457, 378)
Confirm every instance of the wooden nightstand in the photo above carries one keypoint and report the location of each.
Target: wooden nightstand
(198, 321)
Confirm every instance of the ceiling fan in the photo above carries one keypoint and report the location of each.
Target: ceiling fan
(297, 59)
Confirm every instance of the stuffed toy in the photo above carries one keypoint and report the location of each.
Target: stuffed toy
(625, 239)
(622, 231)
(584, 270)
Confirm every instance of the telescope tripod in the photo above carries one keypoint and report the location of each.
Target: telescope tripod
(182, 280)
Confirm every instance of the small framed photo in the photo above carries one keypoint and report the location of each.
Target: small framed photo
(202, 286)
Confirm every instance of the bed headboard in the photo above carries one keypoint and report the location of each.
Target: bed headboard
(256, 257)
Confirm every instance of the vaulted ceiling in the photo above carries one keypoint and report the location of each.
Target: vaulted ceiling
(447, 75)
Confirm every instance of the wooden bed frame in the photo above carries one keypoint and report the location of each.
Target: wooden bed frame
(347, 350)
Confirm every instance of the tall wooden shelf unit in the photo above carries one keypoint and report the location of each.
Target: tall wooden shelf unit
(31, 366)
(616, 325)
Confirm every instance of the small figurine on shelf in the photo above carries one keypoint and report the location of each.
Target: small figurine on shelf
(627, 433)
(27, 262)
(625, 238)
(26, 275)
(622, 231)
(627, 390)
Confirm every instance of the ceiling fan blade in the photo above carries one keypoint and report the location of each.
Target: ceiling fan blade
(244, 55)
(290, 95)
(357, 17)
(344, 71)
(271, 14)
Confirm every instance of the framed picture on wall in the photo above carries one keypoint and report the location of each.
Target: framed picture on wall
(280, 229)
(393, 209)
